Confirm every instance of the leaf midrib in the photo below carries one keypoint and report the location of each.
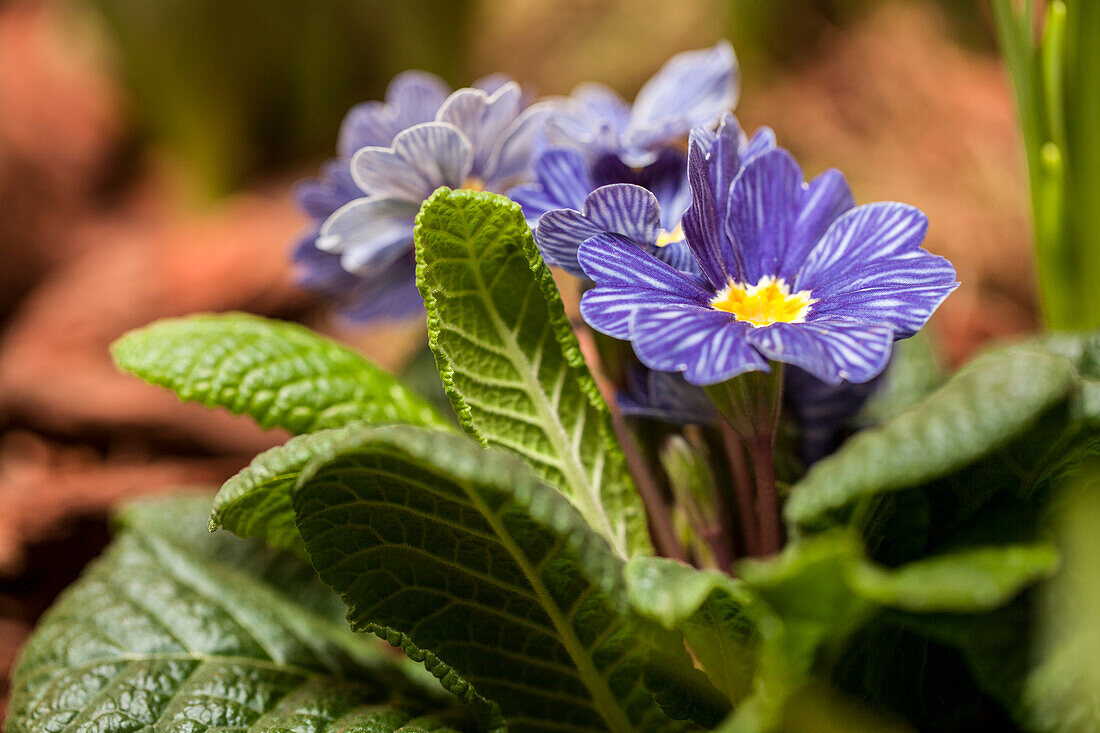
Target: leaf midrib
(602, 696)
(583, 494)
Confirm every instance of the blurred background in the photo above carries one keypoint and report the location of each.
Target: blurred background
(147, 149)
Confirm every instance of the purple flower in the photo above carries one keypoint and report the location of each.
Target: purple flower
(790, 272)
(692, 89)
(477, 140)
(647, 210)
(388, 290)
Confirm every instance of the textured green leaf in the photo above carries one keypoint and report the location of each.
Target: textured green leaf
(466, 553)
(992, 400)
(173, 629)
(511, 363)
(256, 501)
(970, 580)
(281, 374)
(711, 609)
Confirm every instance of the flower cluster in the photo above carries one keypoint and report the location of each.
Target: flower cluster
(707, 249)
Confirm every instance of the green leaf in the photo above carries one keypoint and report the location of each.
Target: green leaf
(1059, 692)
(256, 502)
(711, 609)
(173, 629)
(965, 581)
(511, 363)
(819, 591)
(466, 553)
(914, 373)
(281, 374)
(992, 400)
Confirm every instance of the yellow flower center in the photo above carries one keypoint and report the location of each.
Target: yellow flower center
(473, 183)
(769, 301)
(664, 238)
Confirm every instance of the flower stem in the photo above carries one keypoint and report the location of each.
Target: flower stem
(660, 519)
(742, 489)
(767, 498)
(750, 405)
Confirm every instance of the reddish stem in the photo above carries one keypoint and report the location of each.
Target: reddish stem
(742, 489)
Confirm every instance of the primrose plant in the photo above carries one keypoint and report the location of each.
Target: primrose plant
(736, 494)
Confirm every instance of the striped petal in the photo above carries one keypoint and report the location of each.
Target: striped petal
(482, 118)
(369, 232)
(609, 309)
(665, 396)
(864, 235)
(820, 203)
(763, 209)
(613, 260)
(423, 158)
(707, 345)
(704, 230)
(559, 235)
(692, 88)
(870, 267)
(564, 176)
(439, 152)
(678, 255)
(411, 98)
(515, 151)
(621, 208)
(834, 351)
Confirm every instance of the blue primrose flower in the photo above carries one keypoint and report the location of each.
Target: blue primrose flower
(647, 214)
(598, 139)
(386, 288)
(790, 272)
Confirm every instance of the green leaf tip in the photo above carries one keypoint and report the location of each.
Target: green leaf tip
(510, 362)
(281, 374)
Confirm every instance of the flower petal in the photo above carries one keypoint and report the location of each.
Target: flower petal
(387, 294)
(439, 152)
(369, 232)
(423, 158)
(319, 197)
(831, 350)
(411, 98)
(609, 308)
(678, 255)
(870, 267)
(820, 204)
(382, 172)
(708, 346)
(482, 118)
(625, 209)
(692, 88)
(665, 396)
(559, 235)
(864, 234)
(611, 259)
(514, 154)
(761, 141)
(763, 208)
(564, 175)
(705, 231)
